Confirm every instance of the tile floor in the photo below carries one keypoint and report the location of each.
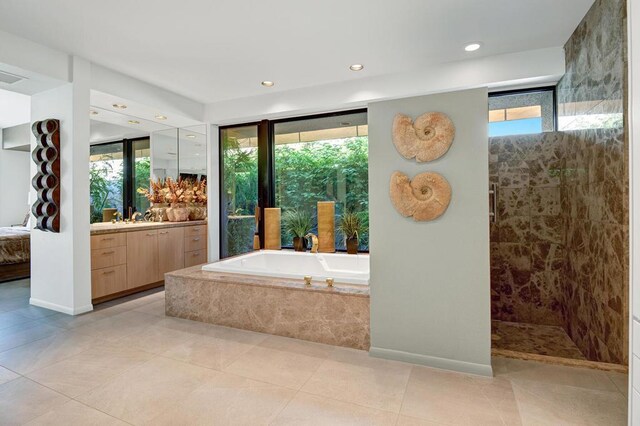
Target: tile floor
(126, 363)
(534, 339)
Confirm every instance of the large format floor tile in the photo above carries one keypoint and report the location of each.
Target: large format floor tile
(75, 413)
(352, 376)
(307, 409)
(280, 368)
(22, 400)
(227, 399)
(127, 363)
(144, 391)
(44, 352)
(80, 373)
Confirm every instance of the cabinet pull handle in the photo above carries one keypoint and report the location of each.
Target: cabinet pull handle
(108, 272)
(196, 239)
(196, 254)
(108, 252)
(150, 235)
(162, 233)
(108, 239)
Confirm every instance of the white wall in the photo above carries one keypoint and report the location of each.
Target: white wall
(430, 290)
(14, 185)
(17, 137)
(60, 262)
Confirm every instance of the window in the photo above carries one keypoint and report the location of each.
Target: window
(117, 169)
(239, 189)
(522, 112)
(292, 164)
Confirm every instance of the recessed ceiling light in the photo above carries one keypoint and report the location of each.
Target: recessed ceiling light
(191, 136)
(267, 83)
(161, 117)
(356, 67)
(134, 122)
(471, 47)
(119, 106)
(197, 155)
(93, 112)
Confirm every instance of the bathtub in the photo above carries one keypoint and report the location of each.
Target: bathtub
(343, 268)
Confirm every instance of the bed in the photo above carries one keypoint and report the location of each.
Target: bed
(15, 253)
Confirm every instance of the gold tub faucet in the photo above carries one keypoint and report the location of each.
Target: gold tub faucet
(314, 242)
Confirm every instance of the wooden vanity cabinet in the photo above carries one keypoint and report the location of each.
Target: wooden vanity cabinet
(170, 250)
(129, 261)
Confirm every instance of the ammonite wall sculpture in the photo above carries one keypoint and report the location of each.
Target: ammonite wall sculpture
(424, 198)
(47, 179)
(426, 139)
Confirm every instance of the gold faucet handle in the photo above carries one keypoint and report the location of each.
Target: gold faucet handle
(307, 280)
(329, 282)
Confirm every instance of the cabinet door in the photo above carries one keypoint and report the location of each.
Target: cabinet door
(170, 250)
(107, 281)
(142, 258)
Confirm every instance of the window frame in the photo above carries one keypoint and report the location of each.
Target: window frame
(128, 190)
(552, 89)
(266, 165)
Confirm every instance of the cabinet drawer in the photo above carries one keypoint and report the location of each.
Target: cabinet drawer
(192, 243)
(193, 258)
(108, 240)
(197, 230)
(107, 281)
(103, 258)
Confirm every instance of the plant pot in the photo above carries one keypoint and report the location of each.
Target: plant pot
(299, 243)
(197, 211)
(159, 211)
(178, 212)
(352, 245)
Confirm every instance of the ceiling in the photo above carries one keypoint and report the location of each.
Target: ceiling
(213, 50)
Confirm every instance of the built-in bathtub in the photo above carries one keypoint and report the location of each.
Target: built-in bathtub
(265, 291)
(343, 268)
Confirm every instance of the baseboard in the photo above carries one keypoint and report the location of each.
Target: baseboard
(60, 308)
(432, 361)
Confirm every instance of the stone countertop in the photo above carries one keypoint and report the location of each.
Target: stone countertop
(111, 228)
(196, 273)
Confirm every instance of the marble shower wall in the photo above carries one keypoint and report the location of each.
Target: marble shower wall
(591, 99)
(527, 239)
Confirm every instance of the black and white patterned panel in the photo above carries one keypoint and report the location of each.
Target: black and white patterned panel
(46, 182)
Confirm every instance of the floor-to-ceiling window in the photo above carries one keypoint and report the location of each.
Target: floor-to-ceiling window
(239, 189)
(292, 164)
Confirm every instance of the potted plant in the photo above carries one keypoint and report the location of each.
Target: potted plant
(350, 227)
(197, 194)
(157, 196)
(298, 223)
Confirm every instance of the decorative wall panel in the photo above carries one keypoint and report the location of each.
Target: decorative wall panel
(46, 182)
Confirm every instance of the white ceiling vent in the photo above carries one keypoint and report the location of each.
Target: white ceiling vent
(9, 78)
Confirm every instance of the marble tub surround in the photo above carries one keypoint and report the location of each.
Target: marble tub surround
(336, 316)
(111, 228)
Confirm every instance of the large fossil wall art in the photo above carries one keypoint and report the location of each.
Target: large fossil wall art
(425, 197)
(47, 179)
(425, 139)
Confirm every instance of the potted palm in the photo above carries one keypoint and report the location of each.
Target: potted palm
(297, 223)
(350, 227)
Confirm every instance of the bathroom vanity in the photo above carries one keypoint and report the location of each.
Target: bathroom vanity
(128, 258)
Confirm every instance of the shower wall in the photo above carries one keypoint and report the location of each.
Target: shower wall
(591, 109)
(559, 248)
(527, 239)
